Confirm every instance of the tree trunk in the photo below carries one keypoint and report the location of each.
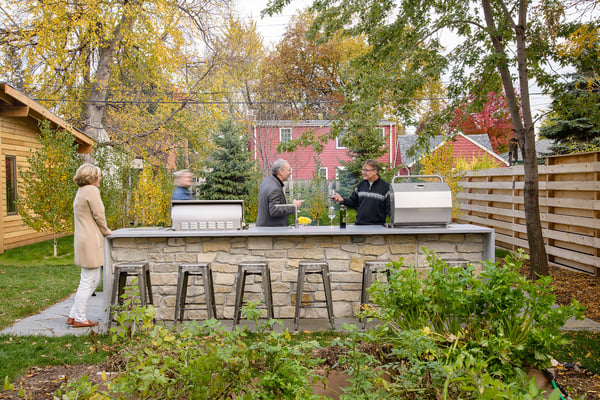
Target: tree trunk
(523, 126)
(96, 100)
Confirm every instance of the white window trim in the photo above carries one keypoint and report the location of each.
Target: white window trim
(337, 143)
(326, 172)
(281, 135)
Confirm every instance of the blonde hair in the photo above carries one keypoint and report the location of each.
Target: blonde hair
(87, 174)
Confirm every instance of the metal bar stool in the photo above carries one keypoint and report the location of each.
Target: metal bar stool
(310, 268)
(456, 262)
(372, 267)
(246, 268)
(139, 270)
(194, 269)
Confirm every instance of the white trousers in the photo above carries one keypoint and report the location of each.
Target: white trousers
(90, 279)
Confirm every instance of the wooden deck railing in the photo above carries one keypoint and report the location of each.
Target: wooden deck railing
(569, 197)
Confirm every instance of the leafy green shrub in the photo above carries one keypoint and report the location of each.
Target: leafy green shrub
(460, 333)
(500, 312)
(201, 361)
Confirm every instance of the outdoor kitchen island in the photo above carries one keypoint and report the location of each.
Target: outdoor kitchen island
(283, 248)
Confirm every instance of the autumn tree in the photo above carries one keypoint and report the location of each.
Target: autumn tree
(151, 196)
(493, 119)
(118, 70)
(46, 187)
(301, 78)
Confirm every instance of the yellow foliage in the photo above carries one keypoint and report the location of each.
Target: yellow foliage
(151, 198)
(441, 162)
(484, 162)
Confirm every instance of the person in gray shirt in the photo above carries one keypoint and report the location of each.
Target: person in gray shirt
(273, 208)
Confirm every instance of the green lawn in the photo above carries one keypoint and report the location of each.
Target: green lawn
(40, 254)
(31, 279)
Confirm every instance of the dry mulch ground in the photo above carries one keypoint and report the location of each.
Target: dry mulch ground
(40, 383)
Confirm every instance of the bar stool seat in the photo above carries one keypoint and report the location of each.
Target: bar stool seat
(371, 269)
(456, 262)
(309, 268)
(139, 270)
(204, 271)
(257, 268)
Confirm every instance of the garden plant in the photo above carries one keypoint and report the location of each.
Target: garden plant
(448, 334)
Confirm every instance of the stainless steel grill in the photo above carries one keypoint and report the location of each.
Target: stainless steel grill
(201, 215)
(420, 202)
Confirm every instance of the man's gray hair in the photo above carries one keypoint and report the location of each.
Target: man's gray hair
(181, 172)
(278, 166)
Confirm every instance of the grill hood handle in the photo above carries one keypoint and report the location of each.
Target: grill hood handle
(410, 178)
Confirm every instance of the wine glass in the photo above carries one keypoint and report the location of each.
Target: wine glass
(331, 214)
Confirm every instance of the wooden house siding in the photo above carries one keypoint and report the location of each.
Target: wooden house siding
(266, 138)
(19, 130)
(464, 147)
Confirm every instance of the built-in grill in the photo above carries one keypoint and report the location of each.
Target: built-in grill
(420, 200)
(201, 215)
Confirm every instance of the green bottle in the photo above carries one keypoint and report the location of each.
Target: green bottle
(342, 216)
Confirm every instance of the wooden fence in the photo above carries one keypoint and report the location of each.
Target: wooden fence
(569, 197)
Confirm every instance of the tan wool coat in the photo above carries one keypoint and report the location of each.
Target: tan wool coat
(90, 227)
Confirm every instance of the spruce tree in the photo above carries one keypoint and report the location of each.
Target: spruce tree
(232, 173)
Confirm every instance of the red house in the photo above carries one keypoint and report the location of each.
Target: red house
(464, 146)
(267, 135)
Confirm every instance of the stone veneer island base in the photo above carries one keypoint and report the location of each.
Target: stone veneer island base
(283, 248)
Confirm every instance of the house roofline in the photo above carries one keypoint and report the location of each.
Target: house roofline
(311, 122)
(496, 156)
(13, 103)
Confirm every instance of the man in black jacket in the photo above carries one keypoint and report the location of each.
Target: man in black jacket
(371, 197)
(273, 209)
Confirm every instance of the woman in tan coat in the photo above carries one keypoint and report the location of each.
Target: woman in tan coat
(90, 229)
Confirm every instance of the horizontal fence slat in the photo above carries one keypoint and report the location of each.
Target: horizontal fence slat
(569, 200)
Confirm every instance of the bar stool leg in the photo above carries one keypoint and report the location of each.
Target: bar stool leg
(239, 294)
(328, 298)
(364, 295)
(268, 293)
(299, 291)
(178, 299)
(208, 293)
(149, 287)
(212, 292)
(115, 298)
(141, 277)
(182, 296)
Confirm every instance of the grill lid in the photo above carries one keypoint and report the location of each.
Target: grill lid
(207, 214)
(420, 202)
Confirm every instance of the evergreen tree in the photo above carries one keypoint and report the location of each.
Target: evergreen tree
(46, 187)
(233, 174)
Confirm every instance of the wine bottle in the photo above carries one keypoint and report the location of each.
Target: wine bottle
(342, 216)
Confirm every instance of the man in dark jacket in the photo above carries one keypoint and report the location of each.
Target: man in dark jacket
(371, 197)
(273, 209)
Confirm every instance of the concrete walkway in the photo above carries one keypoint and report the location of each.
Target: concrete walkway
(51, 322)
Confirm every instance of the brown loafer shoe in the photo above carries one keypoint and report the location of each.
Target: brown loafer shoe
(85, 324)
(70, 321)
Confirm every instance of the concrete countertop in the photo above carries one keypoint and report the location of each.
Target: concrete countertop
(302, 231)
